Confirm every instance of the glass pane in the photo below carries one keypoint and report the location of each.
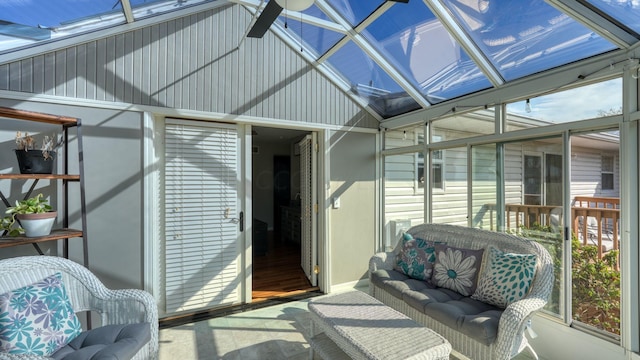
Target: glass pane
(28, 22)
(403, 137)
(146, 8)
(449, 205)
(409, 34)
(481, 122)
(525, 37)
(483, 186)
(316, 38)
(595, 243)
(533, 199)
(404, 202)
(354, 11)
(586, 102)
(370, 82)
(625, 11)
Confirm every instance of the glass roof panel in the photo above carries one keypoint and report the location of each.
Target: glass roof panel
(355, 11)
(370, 82)
(521, 38)
(626, 12)
(419, 46)
(146, 8)
(26, 22)
(318, 39)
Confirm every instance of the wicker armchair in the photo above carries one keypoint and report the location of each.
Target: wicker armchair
(86, 293)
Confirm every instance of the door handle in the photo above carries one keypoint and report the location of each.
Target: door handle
(241, 221)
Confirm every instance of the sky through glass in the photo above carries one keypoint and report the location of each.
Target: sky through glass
(407, 42)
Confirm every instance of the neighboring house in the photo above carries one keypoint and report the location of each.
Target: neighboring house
(532, 177)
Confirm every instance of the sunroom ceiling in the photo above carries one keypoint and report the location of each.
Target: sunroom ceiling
(391, 56)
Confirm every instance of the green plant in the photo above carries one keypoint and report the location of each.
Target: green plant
(596, 287)
(595, 281)
(33, 205)
(27, 142)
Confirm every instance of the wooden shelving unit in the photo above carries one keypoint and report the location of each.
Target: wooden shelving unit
(65, 233)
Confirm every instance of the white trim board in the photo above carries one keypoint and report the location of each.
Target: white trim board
(180, 113)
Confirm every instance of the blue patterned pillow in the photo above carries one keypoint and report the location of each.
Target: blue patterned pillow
(457, 269)
(506, 279)
(416, 258)
(37, 319)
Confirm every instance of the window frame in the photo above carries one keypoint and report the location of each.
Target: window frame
(435, 160)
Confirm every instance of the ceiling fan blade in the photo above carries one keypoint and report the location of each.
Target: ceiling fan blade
(266, 18)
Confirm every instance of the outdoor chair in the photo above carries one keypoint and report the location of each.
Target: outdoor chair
(128, 327)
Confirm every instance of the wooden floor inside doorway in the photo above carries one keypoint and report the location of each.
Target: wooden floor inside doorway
(278, 272)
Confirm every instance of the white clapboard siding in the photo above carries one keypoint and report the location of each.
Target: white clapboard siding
(201, 237)
(449, 205)
(403, 198)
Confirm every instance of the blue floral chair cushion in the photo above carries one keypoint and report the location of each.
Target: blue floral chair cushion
(457, 269)
(416, 258)
(506, 279)
(37, 319)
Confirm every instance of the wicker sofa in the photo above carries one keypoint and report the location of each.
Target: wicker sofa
(474, 329)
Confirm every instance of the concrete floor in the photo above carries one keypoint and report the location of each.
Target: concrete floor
(274, 332)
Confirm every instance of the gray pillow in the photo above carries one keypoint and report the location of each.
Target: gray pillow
(457, 269)
(416, 258)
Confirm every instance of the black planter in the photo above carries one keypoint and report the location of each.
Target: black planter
(33, 162)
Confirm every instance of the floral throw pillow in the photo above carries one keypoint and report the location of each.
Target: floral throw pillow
(457, 269)
(37, 319)
(416, 258)
(507, 278)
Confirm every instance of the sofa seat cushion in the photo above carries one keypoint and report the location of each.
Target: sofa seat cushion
(109, 342)
(395, 282)
(419, 299)
(471, 317)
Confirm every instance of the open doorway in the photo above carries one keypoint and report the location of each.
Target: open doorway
(279, 184)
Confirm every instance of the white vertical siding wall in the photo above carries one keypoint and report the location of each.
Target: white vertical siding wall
(191, 63)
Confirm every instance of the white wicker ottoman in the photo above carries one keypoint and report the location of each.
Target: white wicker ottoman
(357, 326)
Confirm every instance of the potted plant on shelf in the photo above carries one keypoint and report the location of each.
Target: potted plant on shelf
(34, 216)
(33, 161)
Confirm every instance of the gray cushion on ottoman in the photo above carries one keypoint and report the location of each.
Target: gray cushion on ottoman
(110, 342)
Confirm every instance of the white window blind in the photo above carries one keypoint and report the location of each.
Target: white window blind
(201, 243)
